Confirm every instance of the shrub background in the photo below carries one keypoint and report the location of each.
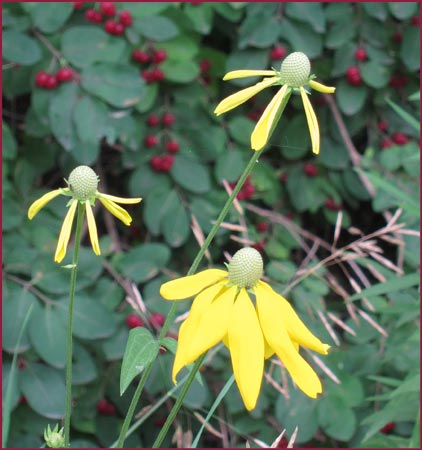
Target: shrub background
(100, 118)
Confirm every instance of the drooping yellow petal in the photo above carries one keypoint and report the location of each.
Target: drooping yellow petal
(65, 233)
(248, 73)
(312, 121)
(116, 210)
(186, 287)
(41, 202)
(236, 99)
(265, 125)
(321, 87)
(188, 329)
(246, 345)
(272, 325)
(299, 333)
(92, 228)
(122, 200)
(213, 324)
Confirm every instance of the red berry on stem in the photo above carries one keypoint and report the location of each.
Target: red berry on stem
(93, 16)
(262, 226)
(385, 143)
(387, 428)
(140, 56)
(159, 55)
(108, 8)
(166, 163)
(415, 20)
(64, 74)
(133, 321)
(157, 319)
(78, 5)
(147, 76)
(125, 18)
(150, 141)
(353, 76)
(157, 74)
(168, 119)
(283, 177)
(105, 408)
(204, 65)
(360, 54)
(172, 146)
(400, 138)
(278, 52)
(118, 29)
(332, 205)
(155, 163)
(397, 36)
(382, 125)
(51, 82)
(153, 120)
(113, 27)
(41, 78)
(310, 170)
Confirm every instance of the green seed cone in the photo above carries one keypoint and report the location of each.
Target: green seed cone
(246, 268)
(83, 182)
(295, 69)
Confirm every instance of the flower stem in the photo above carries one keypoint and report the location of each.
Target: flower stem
(69, 351)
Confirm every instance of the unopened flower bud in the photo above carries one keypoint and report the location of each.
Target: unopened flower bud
(295, 69)
(83, 182)
(246, 267)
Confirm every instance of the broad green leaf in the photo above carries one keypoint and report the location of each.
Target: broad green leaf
(148, 98)
(157, 204)
(60, 115)
(157, 28)
(143, 262)
(19, 48)
(340, 34)
(305, 193)
(404, 115)
(311, 13)
(230, 165)
(141, 350)
(335, 418)
(8, 142)
(179, 71)
(410, 48)
(14, 386)
(377, 10)
(333, 154)
(259, 32)
(294, 137)
(48, 335)
(402, 10)
(201, 18)
(301, 38)
(176, 224)
(84, 369)
(240, 129)
(119, 85)
(375, 74)
(44, 389)
(246, 59)
(51, 16)
(191, 174)
(141, 9)
(181, 48)
(351, 98)
(114, 346)
(84, 45)
(145, 180)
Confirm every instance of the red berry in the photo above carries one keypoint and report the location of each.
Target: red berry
(283, 177)
(415, 20)
(172, 146)
(64, 74)
(41, 78)
(113, 27)
(51, 82)
(385, 143)
(147, 76)
(400, 138)
(150, 141)
(204, 65)
(278, 52)
(105, 408)
(332, 205)
(153, 120)
(397, 36)
(21, 364)
(360, 54)
(125, 18)
(387, 428)
(155, 163)
(160, 422)
(353, 76)
(133, 321)
(166, 164)
(108, 8)
(93, 16)
(382, 125)
(140, 56)
(398, 81)
(118, 29)
(310, 170)
(157, 319)
(78, 5)
(262, 226)
(248, 191)
(283, 443)
(168, 119)
(159, 55)
(157, 74)
(260, 245)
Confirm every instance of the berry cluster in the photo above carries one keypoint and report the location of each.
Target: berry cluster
(156, 320)
(387, 140)
(353, 76)
(51, 81)
(106, 408)
(114, 24)
(151, 56)
(161, 163)
(247, 190)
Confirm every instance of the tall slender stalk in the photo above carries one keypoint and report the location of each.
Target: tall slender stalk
(69, 347)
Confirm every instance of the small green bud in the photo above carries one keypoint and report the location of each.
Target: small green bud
(295, 69)
(83, 182)
(53, 437)
(246, 268)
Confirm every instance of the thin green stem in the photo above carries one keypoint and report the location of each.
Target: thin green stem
(69, 350)
(172, 312)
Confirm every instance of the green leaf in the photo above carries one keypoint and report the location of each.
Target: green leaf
(391, 285)
(44, 389)
(230, 165)
(335, 418)
(201, 17)
(143, 262)
(340, 34)
(240, 129)
(156, 28)
(375, 74)
(141, 9)
(403, 10)
(114, 346)
(259, 32)
(48, 335)
(311, 13)
(351, 98)
(333, 155)
(301, 38)
(141, 350)
(179, 71)
(181, 48)
(294, 138)
(376, 10)
(404, 115)
(84, 45)
(50, 17)
(305, 193)
(410, 48)
(175, 223)
(60, 115)
(19, 48)
(119, 85)
(157, 204)
(246, 59)
(191, 174)
(8, 142)
(84, 369)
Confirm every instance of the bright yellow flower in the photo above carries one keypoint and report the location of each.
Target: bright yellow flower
(82, 188)
(223, 310)
(294, 74)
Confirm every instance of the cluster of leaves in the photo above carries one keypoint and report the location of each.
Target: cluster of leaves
(101, 117)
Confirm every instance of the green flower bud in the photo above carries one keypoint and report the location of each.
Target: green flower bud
(295, 69)
(83, 182)
(53, 437)
(246, 268)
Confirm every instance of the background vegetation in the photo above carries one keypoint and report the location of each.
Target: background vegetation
(338, 232)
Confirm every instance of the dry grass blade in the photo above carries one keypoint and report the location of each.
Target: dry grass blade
(236, 202)
(278, 439)
(372, 322)
(292, 440)
(199, 235)
(325, 369)
(207, 426)
(329, 328)
(341, 324)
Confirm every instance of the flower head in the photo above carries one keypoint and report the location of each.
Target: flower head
(82, 188)
(224, 310)
(294, 75)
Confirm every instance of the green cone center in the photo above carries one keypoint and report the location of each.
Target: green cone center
(246, 268)
(83, 182)
(295, 69)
